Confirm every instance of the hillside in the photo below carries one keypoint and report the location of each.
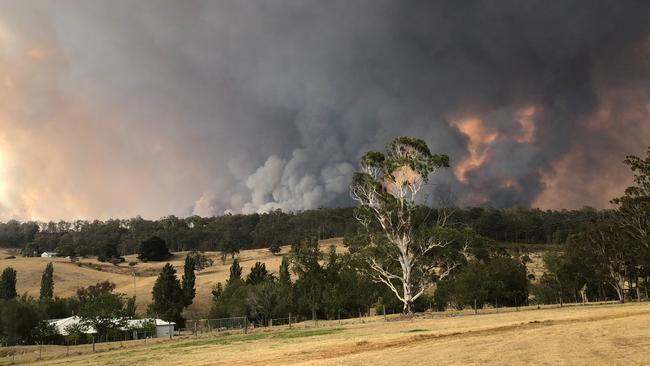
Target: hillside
(70, 276)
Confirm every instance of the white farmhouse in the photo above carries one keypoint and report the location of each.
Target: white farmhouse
(163, 328)
(49, 254)
(61, 325)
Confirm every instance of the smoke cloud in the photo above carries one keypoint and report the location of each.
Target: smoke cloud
(113, 109)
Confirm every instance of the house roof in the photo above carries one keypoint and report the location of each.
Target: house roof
(140, 322)
(61, 324)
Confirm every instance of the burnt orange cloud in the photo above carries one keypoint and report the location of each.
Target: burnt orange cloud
(592, 171)
(479, 139)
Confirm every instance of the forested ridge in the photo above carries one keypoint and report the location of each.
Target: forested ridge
(115, 237)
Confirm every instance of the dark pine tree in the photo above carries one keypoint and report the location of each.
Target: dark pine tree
(8, 284)
(188, 281)
(47, 282)
(284, 277)
(258, 274)
(168, 300)
(235, 272)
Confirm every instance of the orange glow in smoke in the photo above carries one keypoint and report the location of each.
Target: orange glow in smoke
(525, 118)
(39, 53)
(480, 139)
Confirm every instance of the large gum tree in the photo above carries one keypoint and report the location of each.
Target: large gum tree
(402, 250)
(634, 206)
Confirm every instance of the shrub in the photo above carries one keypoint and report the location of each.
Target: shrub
(154, 249)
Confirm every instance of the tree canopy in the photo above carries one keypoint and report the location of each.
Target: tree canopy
(154, 249)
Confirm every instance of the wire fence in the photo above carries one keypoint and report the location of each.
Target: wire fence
(226, 323)
(281, 321)
(28, 354)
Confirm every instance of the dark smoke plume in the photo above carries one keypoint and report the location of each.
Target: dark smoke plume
(167, 107)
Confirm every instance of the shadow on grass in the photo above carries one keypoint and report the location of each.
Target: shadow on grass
(414, 330)
(226, 340)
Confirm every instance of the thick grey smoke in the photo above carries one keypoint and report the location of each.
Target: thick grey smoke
(167, 107)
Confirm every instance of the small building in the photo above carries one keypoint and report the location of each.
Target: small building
(163, 328)
(49, 254)
(61, 325)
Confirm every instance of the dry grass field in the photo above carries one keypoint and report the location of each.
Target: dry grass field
(70, 276)
(610, 334)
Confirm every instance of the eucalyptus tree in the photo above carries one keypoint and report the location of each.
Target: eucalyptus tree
(401, 250)
(607, 251)
(634, 205)
(634, 217)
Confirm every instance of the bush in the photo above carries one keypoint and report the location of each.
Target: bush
(116, 261)
(109, 253)
(201, 261)
(154, 249)
(275, 248)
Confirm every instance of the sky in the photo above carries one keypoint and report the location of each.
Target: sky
(112, 109)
